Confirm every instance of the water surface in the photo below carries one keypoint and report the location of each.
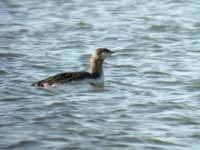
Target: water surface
(150, 98)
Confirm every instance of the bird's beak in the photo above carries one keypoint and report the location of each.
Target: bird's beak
(111, 52)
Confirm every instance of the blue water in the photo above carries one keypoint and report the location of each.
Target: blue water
(150, 98)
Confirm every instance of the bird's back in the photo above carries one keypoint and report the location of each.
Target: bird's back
(63, 78)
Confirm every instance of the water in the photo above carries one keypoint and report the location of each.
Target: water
(150, 98)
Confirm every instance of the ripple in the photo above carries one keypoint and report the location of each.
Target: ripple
(159, 28)
(157, 73)
(180, 119)
(171, 82)
(193, 86)
(123, 66)
(40, 66)
(27, 144)
(157, 46)
(162, 142)
(154, 148)
(55, 104)
(11, 99)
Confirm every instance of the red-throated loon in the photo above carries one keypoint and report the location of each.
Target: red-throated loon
(96, 65)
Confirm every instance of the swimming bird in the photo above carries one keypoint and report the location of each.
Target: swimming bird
(96, 65)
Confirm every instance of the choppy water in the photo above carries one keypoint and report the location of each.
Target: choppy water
(151, 96)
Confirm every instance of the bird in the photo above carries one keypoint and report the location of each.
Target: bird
(96, 66)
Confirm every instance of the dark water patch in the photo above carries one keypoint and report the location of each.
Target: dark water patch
(11, 55)
(71, 123)
(23, 109)
(3, 72)
(120, 145)
(43, 119)
(117, 110)
(56, 139)
(148, 37)
(72, 130)
(182, 2)
(3, 47)
(24, 30)
(111, 38)
(142, 104)
(196, 136)
(156, 46)
(7, 37)
(171, 105)
(157, 73)
(83, 24)
(71, 115)
(7, 124)
(146, 18)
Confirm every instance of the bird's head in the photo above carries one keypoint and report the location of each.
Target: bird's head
(102, 53)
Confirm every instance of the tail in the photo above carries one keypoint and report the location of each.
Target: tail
(36, 84)
(40, 84)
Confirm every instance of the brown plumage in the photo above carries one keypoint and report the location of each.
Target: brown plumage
(96, 64)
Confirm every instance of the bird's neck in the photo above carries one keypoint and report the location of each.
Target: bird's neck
(96, 67)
